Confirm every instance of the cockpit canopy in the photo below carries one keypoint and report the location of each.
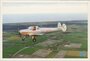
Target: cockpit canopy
(33, 28)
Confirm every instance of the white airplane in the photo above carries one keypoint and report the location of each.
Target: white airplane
(34, 31)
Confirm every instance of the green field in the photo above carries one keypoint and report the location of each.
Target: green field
(75, 34)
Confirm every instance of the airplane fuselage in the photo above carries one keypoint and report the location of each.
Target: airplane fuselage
(39, 31)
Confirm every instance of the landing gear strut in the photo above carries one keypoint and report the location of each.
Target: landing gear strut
(33, 38)
(23, 39)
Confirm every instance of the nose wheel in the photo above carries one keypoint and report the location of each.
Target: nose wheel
(22, 36)
(23, 39)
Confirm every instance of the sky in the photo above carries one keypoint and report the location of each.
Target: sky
(18, 11)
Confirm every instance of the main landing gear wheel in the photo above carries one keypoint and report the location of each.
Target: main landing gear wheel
(34, 38)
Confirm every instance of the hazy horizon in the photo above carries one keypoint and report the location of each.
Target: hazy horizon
(17, 18)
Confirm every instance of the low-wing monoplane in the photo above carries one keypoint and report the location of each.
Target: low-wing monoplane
(34, 31)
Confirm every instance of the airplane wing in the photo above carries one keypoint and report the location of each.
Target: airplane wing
(35, 33)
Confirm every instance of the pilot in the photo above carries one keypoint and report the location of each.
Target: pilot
(34, 28)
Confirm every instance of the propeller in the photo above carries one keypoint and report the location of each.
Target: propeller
(19, 34)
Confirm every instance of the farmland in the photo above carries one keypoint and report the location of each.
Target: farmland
(51, 45)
